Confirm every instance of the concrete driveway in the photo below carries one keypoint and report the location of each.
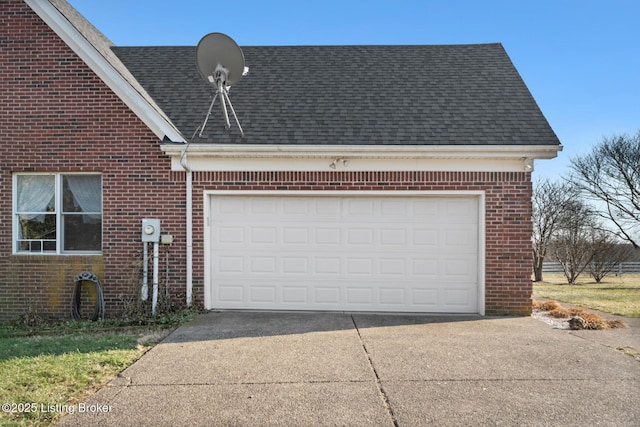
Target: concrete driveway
(304, 369)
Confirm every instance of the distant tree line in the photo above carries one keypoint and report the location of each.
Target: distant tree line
(590, 219)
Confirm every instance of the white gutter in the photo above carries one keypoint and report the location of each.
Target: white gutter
(366, 151)
(258, 157)
(189, 230)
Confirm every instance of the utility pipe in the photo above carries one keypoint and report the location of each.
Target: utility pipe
(189, 230)
(145, 273)
(156, 255)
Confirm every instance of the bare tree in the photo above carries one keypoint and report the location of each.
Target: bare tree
(572, 241)
(610, 176)
(608, 254)
(550, 200)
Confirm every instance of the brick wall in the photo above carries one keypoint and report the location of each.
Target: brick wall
(56, 115)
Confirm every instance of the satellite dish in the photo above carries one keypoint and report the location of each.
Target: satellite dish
(221, 63)
(217, 50)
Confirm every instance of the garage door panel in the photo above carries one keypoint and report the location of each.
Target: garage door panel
(456, 269)
(362, 296)
(460, 238)
(351, 298)
(231, 206)
(292, 265)
(425, 237)
(263, 235)
(329, 207)
(360, 236)
(295, 236)
(327, 236)
(262, 206)
(325, 295)
(360, 266)
(344, 253)
(294, 206)
(392, 267)
(427, 298)
(260, 264)
(357, 207)
(425, 267)
(426, 208)
(392, 207)
(392, 237)
(230, 264)
(457, 297)
(263, 295)
(229, 293)
(231, 235)
(295, 295)
(327, 265)
(393, 296)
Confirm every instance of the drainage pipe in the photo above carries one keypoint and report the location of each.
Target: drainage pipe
(189, 230)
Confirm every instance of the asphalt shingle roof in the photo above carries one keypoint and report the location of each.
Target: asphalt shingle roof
(362, 95)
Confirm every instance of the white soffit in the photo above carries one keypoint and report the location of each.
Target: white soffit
(247, 157)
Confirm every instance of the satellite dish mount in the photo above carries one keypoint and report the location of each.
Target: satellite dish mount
(221, 63)
(219, 79)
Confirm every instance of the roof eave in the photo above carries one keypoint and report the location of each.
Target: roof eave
(365, 151)
(220, 157)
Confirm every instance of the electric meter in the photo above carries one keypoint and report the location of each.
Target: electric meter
(150, 230)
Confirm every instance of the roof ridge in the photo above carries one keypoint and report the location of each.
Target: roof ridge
(89, 31)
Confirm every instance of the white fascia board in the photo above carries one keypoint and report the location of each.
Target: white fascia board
(247, 157)
(110, 76)
(366, 151)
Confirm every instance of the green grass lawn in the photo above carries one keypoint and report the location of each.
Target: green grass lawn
(58, 370)
(51, 366)
(615, 295)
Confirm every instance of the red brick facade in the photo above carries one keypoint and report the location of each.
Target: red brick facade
(56, 115)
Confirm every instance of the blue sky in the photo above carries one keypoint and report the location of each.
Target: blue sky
(579, 58)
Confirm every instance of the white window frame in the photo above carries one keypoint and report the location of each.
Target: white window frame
(58, 176)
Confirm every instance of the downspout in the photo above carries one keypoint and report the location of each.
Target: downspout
(189, 201)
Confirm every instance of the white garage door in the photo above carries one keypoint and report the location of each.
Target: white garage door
(398, 254)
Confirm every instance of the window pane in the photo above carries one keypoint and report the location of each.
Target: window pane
(29, 246)
(36, 233)
(37, 246)
(36, 193)
(71, 201)
(37, 227)
(82, 193)
(82, 232)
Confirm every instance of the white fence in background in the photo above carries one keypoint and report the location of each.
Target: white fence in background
(622, 268)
